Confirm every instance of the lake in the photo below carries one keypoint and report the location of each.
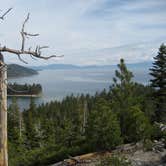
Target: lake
(59, 83)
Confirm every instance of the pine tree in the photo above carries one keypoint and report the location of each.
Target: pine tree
(16, 137)
(122, 87)
(158, 72)
(137, 125)
(125, 96)
(13, 122)
(123, 74)
(30, 126)
(121, 93)
(103, 129)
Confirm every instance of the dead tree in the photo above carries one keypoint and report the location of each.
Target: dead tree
(34, 53)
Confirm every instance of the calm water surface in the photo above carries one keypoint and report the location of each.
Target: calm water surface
(57, 84)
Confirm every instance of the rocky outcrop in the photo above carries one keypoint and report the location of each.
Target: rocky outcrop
(154, 157)
(135, 153)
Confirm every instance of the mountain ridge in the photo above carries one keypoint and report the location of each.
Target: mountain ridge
(71, 66)
(14, 70)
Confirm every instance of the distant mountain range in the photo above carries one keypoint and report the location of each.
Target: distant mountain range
(70, 66)
(14, 70)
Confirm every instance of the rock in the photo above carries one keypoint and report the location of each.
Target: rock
(149, 158)
(158, 146)
(132, 152)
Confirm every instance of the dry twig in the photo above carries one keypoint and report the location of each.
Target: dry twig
(4, 14)
(36, 53)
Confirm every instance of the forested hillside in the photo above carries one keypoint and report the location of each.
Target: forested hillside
(126, 113)
(15, 70)
(23, 89)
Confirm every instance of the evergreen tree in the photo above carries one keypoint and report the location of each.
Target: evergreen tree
(82, 124)
(103, 130)
(16, 137)
(30, 126)
(137, 125)
(122, 87)
(158, 72)
(127, 101)
(121, 93)
(13, 121)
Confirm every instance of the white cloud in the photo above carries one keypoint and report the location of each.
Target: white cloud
(79, 27)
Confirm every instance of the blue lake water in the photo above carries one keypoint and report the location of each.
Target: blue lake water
(57, 84)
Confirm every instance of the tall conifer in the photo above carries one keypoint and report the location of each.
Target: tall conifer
(158, 81)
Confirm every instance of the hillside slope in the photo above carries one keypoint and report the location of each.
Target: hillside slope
(134, 153)
(15, 70)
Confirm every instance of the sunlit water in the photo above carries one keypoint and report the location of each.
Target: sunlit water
(57, 84)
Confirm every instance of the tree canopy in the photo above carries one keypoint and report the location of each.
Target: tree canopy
(158, 81)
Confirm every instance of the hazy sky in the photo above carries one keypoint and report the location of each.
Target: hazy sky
(87, 31)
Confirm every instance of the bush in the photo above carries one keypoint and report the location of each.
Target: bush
(148, 145)
(45, 156)
(114, 161)
(137, 125)
(103, 128)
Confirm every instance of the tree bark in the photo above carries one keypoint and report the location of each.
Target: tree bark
(3, 114)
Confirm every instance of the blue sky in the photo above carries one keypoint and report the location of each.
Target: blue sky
(88, 32)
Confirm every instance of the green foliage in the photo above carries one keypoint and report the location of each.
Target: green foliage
(14, 70)
(103, 130)
(158, 81)
(51, 132)
(148, 145)
(137, 125)
(16, 137)
(13, 121)
(122, 88)
(127, 99)
(44, 156)
(25, 89)
(30, 127)
(114, 161)
(157, 134)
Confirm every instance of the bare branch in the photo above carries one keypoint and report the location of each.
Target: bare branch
(19, 57)
(3, 16)
(29, 34)
(36, 53)
(23, 32)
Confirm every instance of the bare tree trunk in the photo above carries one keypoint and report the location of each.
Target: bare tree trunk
(37, 53)
(20, 124)
(85, 116)
(3, 114)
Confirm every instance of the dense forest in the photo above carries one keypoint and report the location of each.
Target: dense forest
(125, 113)
(24, 89)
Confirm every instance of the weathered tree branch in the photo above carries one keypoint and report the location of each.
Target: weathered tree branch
(36, 53)
(3, 15)
(25, 34)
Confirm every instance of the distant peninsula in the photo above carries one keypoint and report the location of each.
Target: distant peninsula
(24, 90)
(14, 70)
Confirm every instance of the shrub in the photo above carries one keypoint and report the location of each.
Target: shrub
(114, 161)
(148, 145)
(103, 128)
(137, 125)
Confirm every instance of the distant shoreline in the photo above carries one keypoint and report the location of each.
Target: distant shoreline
(14, 70)
(21, 76)
(22, 95)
